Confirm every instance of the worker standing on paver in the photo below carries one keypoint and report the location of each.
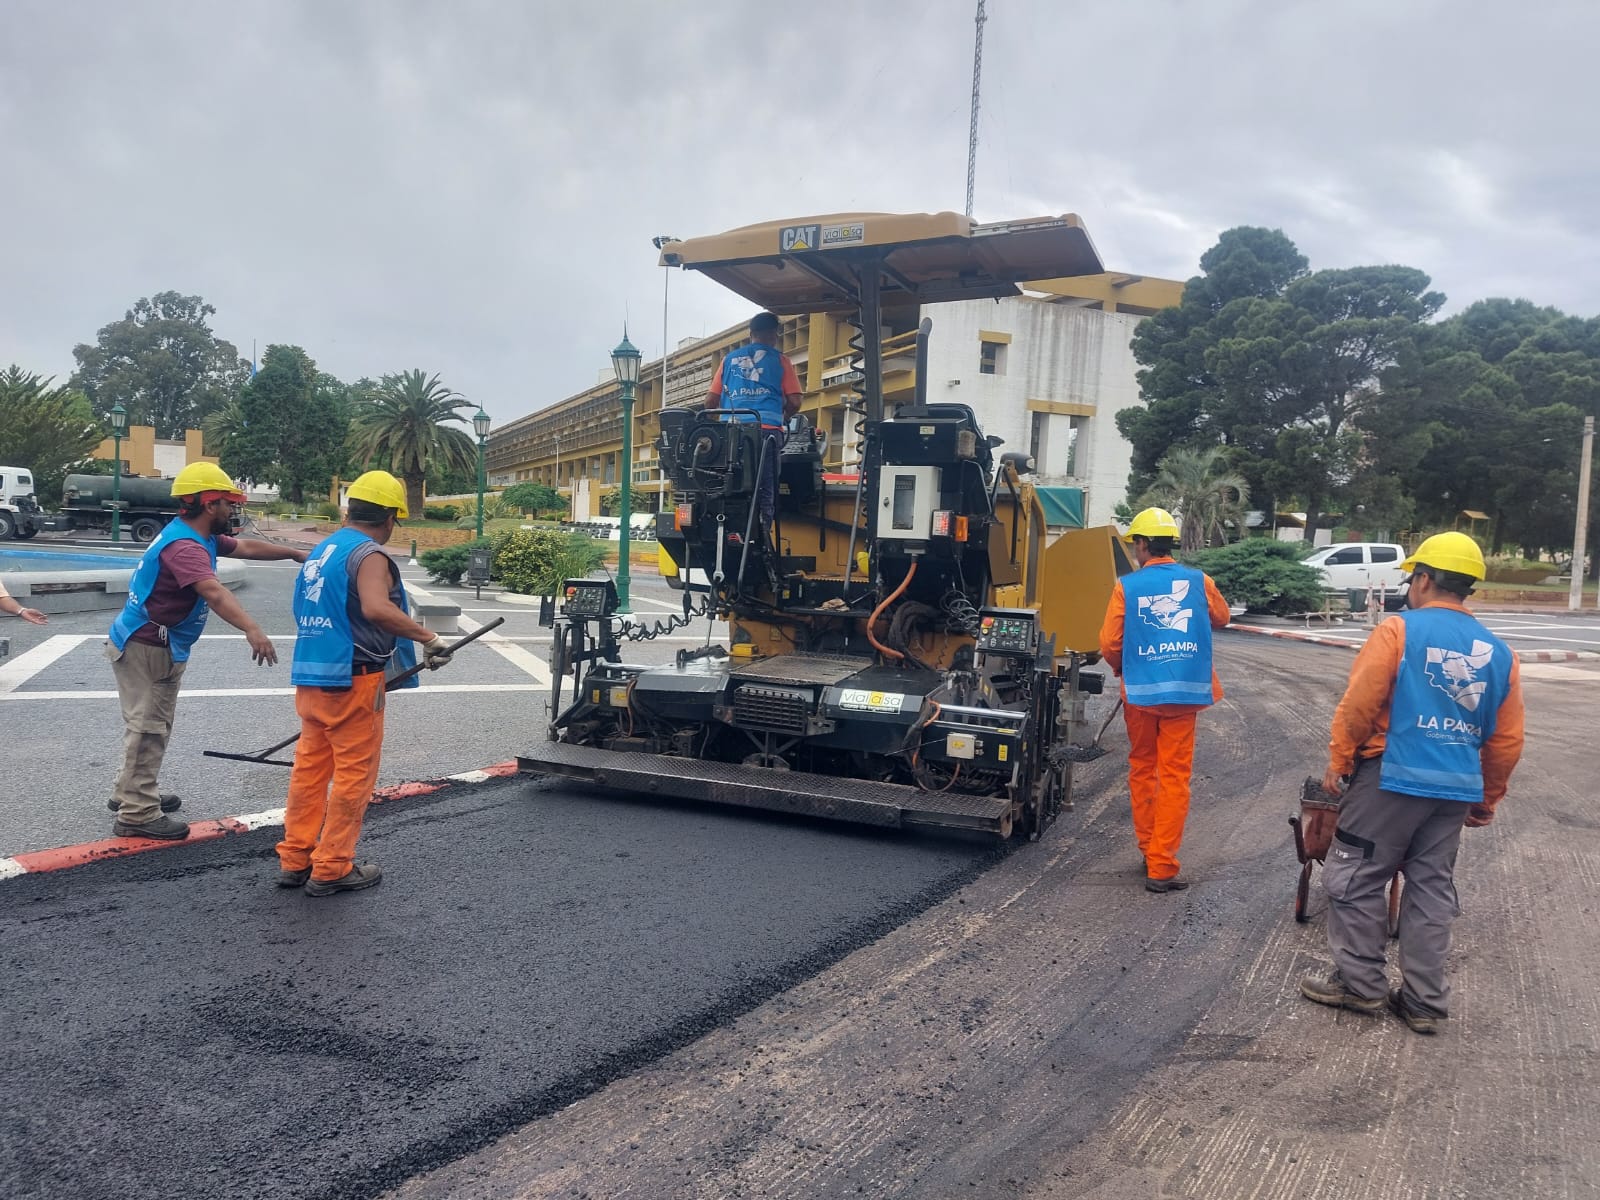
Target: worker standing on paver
(1157, 637)
(758, 376)
(352, 624)
(1427, 735)
(172, 591)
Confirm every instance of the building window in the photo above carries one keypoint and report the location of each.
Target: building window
(991, 358)
(1036, 439)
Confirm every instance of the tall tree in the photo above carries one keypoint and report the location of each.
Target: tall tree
(1203, 492)
(404, 428)
(1275, 364)
(162, 363)
(49, 430)
(1178, 384)
(291, 426)
(1486, 416)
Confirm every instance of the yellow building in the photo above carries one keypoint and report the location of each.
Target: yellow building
(581, 437)
(145, 454)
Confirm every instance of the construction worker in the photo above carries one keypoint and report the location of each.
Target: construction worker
(31, 615)
(1423, 743)
(173, 590)
(758, 377)
(352, 627)
(1160, 644)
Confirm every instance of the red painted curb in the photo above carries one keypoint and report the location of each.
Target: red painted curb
(34, 862)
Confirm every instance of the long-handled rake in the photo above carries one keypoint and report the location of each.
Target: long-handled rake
(264, 757)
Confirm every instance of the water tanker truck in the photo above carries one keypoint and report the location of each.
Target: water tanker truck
(147, 504)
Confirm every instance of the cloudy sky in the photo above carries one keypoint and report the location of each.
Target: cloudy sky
(471, 187)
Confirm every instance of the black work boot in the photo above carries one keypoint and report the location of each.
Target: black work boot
(1330, 990)
(1174, 883)
(163, 827)
(169, 803)
(288, 878)
(362, 875)
(1420, 1022)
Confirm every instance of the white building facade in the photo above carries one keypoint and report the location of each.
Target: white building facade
(1049, 377)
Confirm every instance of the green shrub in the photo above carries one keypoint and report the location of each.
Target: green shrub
(493, 509)
(1262, 574)
(447, 564)
(440, 512)
(323, 508)
(534, 562)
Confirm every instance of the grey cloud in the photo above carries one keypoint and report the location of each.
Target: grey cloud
(472, 188)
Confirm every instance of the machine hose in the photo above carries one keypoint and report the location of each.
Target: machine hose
(887, 651)
(674, 621)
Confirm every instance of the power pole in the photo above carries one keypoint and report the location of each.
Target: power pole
(1580, 536)
(972, 133)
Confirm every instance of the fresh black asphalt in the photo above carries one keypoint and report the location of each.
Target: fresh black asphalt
(177, 1026)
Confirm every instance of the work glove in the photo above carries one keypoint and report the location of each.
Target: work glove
(435, 653)
(1479, 815)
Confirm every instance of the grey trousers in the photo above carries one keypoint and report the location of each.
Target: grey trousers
(1379, 833)
(147, 682)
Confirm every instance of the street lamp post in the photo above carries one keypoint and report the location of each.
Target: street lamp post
(1580, 537)
(625, 362)
(119, 426)
(480, 426)
(669, 259)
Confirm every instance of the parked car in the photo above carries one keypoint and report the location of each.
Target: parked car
(1346, 566)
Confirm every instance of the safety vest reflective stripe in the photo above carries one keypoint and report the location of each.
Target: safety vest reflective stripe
(1156, 693)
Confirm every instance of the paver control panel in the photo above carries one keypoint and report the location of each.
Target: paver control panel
(590, 598)
(1008, 631)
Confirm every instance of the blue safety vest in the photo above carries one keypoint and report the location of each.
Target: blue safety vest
(1453, 677)
(324, 646)
(1166, 636)
(180, 637)
(752, 377)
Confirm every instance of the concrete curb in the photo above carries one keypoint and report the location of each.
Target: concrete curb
(35, 862)
(1322, 639)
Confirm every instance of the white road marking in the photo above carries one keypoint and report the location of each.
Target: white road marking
(222, 693)
(514, 654)
(25, 666)
(1551, 671)
(659, 603)
(260, 820)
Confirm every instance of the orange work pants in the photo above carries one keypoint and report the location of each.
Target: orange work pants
(341, 737)
(1160, 757)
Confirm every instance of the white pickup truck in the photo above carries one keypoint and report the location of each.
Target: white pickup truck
(1346, 565)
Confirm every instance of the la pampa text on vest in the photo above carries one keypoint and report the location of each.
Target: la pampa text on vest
(180, 638)
(752, 377)
(1453, 677)
(1166, 636)
(324, 644)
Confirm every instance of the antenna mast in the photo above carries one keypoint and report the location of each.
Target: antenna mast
(972, 135)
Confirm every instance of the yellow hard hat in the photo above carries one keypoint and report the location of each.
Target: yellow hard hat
(1152, 523)
(205, 477)
(1448, 552)
(382, 489)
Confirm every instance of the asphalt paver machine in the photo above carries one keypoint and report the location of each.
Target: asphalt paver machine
(904, 642)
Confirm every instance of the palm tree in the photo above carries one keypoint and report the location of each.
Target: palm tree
(222, 425)
(402, 427)
(1202, 493)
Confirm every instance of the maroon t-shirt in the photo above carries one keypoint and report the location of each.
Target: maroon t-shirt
(183, 564)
